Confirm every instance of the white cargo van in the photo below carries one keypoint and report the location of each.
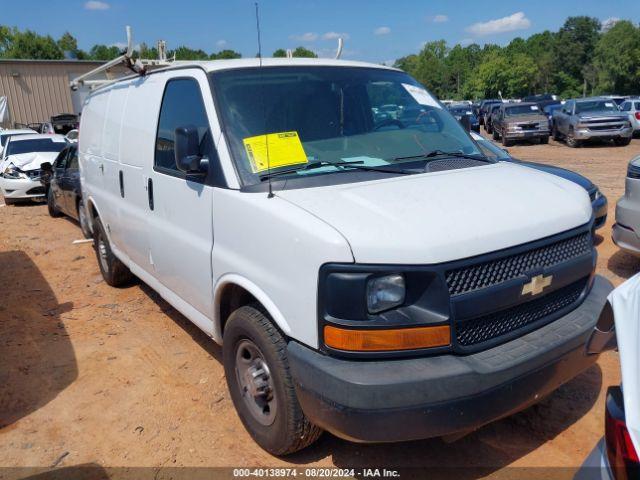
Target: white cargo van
(381, 280)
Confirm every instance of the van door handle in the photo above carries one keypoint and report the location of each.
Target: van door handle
(121, 177)
(150, 193)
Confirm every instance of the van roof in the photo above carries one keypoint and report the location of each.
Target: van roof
(213, 65)
(217, 65)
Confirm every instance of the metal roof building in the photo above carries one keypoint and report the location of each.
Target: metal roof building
(37, 89)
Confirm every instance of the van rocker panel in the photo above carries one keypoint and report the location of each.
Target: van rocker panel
(409, 399)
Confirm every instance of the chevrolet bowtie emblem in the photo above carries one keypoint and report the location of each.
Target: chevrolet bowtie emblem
(537, 285)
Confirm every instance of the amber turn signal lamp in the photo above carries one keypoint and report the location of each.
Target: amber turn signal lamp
(354, 340)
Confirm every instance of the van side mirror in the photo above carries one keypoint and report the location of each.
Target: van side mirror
(465, 120)
(187, 153)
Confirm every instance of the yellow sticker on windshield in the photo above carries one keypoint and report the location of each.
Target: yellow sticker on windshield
(284, 149)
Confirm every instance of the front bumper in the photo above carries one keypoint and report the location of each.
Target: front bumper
(587, 134)
(21, 188)
(626, 231)
(407, 399)
(526, 134)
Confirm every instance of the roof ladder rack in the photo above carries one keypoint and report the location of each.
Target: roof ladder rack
(138, 65)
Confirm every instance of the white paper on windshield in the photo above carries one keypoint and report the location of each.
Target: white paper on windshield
(534, 107)
(421, 96)
(608, 104)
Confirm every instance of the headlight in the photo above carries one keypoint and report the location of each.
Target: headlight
(385, 292)
(634, 168)
(13, 172)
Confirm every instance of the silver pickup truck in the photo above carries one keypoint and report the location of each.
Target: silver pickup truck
(586, 119)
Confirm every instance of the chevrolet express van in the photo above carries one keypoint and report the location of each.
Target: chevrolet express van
(382, 280)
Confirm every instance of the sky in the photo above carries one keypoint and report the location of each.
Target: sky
(375, 30)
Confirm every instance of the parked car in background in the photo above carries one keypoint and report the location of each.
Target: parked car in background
(520, 121)
(599, 202)
(632, 109)
(402, 323)
(460, 110)
(626, 230)
(586, 119)
(483, 109)
(542, 100)
(548, 111)
(20, 166)
(6, 134)
(618, 99)
(489, 117)
(61, 180)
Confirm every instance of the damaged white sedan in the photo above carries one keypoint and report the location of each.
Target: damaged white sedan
(20, 166)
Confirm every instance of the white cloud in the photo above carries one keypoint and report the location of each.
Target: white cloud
(221, 43)
(440, 18)
(305, 37)
(96, 5)
(517, 21)
(609, 22)
(382, 31)
(466, 41)
(335, 35)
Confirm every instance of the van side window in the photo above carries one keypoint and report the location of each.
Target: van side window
(182, 105)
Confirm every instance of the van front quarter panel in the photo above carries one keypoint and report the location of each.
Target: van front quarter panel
(279, 248)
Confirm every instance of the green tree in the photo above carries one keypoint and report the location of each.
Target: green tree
(304, 52)
(186, 53)
(575, 46)
(104, 52)
(225, 55)
(280, 53)
(29, 44)
(617, 59)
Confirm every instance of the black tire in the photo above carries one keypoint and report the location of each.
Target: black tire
(544, 140)
(10, 201)
(280, 426)
(51, 204)
(506, 142)
(114, 272)
(489, 128)
(495, 135)
(555, 133)
(622, 141)
(83, 220)
(571, 140)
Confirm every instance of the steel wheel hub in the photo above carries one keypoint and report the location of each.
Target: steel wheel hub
(255, 382)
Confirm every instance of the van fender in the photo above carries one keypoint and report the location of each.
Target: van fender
(253, 289)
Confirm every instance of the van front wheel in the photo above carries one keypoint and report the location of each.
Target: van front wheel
(114, 272)
(260, 384)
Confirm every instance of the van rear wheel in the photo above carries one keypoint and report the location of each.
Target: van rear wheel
(260, 383)
(114, 272)
(51, 204)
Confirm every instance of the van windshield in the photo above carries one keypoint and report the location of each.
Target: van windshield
(288, 118)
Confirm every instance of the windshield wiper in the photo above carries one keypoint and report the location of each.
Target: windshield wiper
(323, 163)
(441, 153)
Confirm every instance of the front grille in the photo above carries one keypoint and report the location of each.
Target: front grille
(453, 164)
(482, 275)
(612, 126)
(529, 126)
(492, 326)
(36, 191)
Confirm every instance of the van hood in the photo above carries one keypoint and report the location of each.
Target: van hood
(444, 216)
(31, 160)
